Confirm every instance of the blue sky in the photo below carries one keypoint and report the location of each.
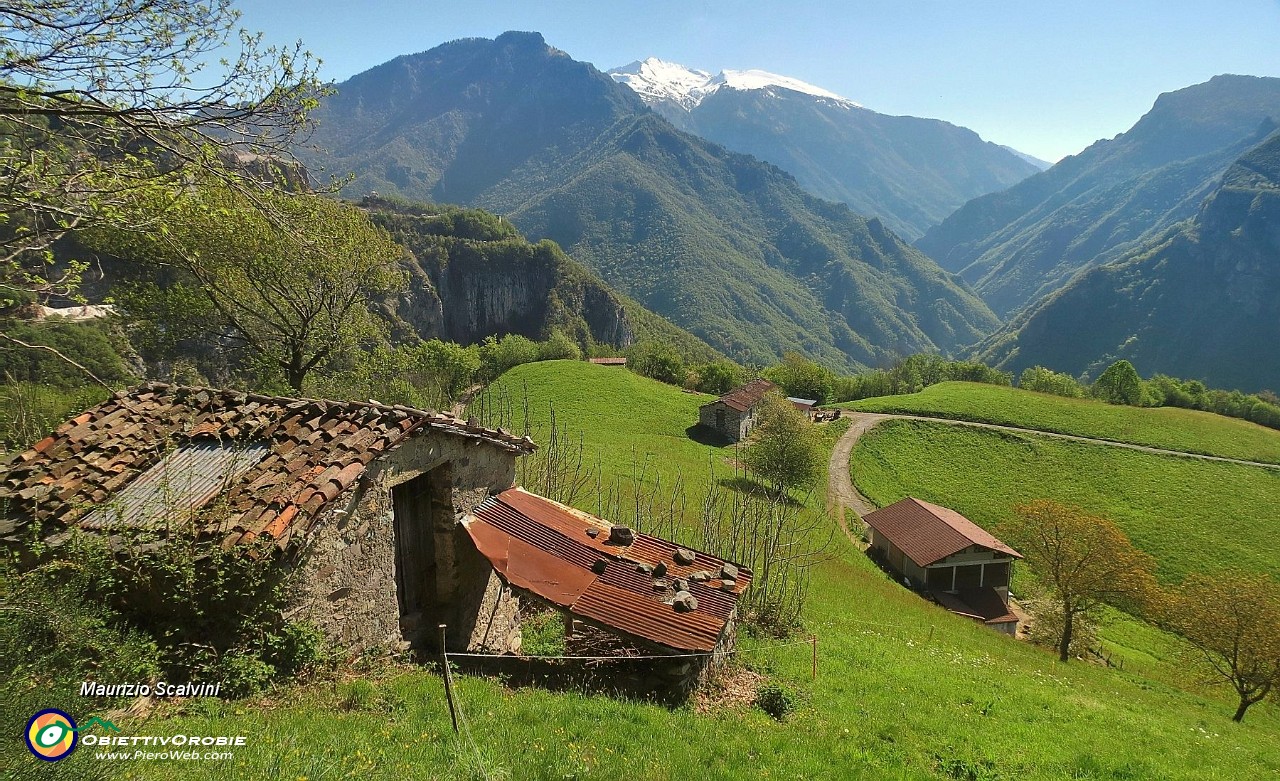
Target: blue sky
(1045, 78)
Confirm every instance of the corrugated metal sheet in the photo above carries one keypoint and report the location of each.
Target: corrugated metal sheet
(544, 547)
(927, 533)
(185, 480)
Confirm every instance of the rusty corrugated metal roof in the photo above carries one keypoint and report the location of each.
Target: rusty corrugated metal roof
(746, 397)
(546, 548)
(928, 533)
(316, 450)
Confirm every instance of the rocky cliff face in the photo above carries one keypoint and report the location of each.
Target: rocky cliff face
(473, 276)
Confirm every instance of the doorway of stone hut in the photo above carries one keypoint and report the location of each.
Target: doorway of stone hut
(423, 512)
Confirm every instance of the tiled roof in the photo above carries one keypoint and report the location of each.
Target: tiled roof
(308, 453)
(746, 397)
(545, 547)
(982, 604)
(927, 533)
(608, 361)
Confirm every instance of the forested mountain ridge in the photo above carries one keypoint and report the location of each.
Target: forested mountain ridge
(1202, 301)
(727, 247)
(472, 275)
(910, 172)
(1023, 243)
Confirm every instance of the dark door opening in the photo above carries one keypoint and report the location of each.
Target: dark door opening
(423, 511)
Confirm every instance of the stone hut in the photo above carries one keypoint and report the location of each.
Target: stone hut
(955, 562)
(733, 415)
(363, 498)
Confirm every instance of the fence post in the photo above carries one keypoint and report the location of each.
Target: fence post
(448, 679)
(814, 640)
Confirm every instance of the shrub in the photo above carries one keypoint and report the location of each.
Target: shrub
(717, 377)
(776, 700)
(242, 674)
(657, 360)
(1119, 384)
(1042, 380)
(802, 378)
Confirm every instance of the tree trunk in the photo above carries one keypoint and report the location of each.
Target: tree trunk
(1064, 645)
(1244, 706)
(295, 374)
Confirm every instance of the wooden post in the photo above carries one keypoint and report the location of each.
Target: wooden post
(448, 680)
(930, 634)
(814, 640)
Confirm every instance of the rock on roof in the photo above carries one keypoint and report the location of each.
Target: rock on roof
(304, 452)
(746, 397)
(628, 585)
(927, 533)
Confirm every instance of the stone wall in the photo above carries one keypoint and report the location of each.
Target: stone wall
(347, 578)
(732, 425)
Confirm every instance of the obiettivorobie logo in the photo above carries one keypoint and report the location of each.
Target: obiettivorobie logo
(51, 734)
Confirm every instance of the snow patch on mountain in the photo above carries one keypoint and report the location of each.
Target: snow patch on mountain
(657, 80)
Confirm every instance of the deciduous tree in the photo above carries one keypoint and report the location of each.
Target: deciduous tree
(1119, 384)
(1233, 621)
(102, 98)
(784, 449)
(295, 297)
(1086, 561)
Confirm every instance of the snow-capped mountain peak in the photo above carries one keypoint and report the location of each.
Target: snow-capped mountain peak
(659, 81)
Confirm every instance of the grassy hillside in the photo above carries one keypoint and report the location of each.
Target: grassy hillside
(1193, 516)
(904, 690)
(1165, 427)
(621, 419)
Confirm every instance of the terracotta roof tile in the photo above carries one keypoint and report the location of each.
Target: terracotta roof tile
(315, 450)
(928, 533)
(746, 397)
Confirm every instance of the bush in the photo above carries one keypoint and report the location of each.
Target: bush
(657, 360)
(90, 344)
(717, 377)
(913, 374)
(210, 614)
(559, 348)
(776, 700)
(1042, 380)
(499, 355)
(802, 378)
(242, 674)
(53, 636)
(1119, 384)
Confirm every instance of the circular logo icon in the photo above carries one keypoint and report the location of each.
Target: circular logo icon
(51, 735)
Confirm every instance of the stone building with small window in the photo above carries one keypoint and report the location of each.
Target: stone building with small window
(733, 415)
(957, 563)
